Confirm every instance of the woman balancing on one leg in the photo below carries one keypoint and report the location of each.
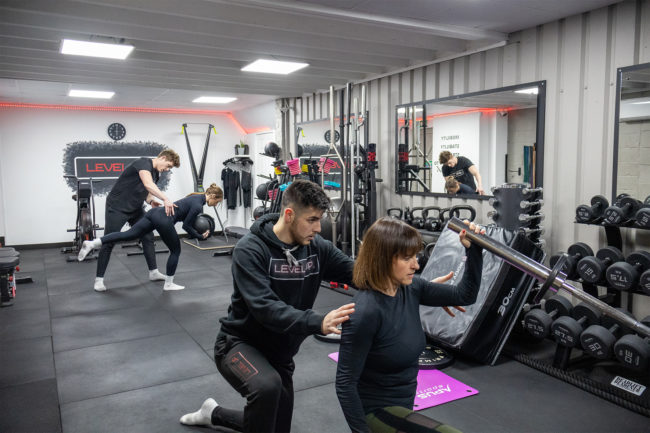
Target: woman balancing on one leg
(186, 210)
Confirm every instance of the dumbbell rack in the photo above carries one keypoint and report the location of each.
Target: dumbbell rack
(607, 379)
(518, 207)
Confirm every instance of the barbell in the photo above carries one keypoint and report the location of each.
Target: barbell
(550, 277)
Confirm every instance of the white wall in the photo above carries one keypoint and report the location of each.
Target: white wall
(257, 118)
(36, 202)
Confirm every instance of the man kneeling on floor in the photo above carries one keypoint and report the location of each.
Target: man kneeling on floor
(277, 270)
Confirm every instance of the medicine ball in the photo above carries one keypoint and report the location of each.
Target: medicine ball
(258, 212)
(204, 222)
(272, 149)
(261, 191)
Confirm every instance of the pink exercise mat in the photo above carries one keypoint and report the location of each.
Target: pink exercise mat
(434, 388)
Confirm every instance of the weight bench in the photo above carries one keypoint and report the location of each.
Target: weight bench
(8, 264)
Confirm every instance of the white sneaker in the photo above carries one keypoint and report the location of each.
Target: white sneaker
(99, 286)
(172, 286)
(156, 275)
(86, 248)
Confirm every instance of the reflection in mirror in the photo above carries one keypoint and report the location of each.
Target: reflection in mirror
(632, 133)
(469, 143)
(413, 156)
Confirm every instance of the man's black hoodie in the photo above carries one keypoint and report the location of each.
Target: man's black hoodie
(271, 304)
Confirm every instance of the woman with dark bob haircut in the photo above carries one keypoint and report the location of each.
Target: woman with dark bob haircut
(376, 378)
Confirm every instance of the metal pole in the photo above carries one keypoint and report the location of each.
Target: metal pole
(541, 273)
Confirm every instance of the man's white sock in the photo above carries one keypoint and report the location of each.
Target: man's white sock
(203, 416)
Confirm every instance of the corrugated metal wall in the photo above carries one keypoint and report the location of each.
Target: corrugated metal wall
(578, 57)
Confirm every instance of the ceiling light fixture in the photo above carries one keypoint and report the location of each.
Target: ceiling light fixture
(641, 102)
(274, 66)
(90, 94)
(528, 91)
(96, 49)
(214, 99)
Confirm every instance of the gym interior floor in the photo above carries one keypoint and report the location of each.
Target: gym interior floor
(134, 359)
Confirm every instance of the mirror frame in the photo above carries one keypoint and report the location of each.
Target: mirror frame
(539, 134)
(617, 121)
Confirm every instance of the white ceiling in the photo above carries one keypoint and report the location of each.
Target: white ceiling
(190, 48)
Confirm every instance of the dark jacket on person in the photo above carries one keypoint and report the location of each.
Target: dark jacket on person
(381, 343)
(272, 299)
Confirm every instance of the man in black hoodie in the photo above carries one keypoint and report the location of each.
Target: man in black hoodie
(277, 270)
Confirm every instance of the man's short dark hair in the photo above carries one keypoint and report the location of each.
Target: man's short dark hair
(303, 194)
(445, 156)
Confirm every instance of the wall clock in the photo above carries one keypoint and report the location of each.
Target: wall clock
(116, 131)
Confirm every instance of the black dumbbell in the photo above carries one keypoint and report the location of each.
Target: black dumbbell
(417, 221)
(634, 351)
(626, 275)
(598, 341)
(431, 222)
(642, 217)
(566, 330)
(621, 212)
(576, 252)
(592, 269)
(538, 322)
(587, 214)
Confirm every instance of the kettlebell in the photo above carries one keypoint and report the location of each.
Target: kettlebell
(395, 212)
(417, 221)
(432, 223)
(455, 211)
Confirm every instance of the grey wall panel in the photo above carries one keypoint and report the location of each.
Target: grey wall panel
(578, 57)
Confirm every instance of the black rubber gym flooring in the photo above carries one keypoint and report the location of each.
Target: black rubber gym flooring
(134, 359)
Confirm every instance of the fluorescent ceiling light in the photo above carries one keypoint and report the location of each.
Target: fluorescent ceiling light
(214, 99)
(641, 102)
(528, 91)
(96, 49)
(90, 94)
(274, 66)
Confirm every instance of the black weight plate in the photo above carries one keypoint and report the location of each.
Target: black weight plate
(600, 201)
(621, 275)
(592, 314)
(630, 205)
(644, 282)
(633, 351)
(639, 258)
(538, 323)
(566, 331)
(580, 249)
(642, 217)
(560, 304)
(434, 358)
(612, 254)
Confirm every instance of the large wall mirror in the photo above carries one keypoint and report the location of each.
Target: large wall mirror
(631, 172)
(495, 135)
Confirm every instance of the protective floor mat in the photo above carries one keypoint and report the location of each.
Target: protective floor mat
(434, 388)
